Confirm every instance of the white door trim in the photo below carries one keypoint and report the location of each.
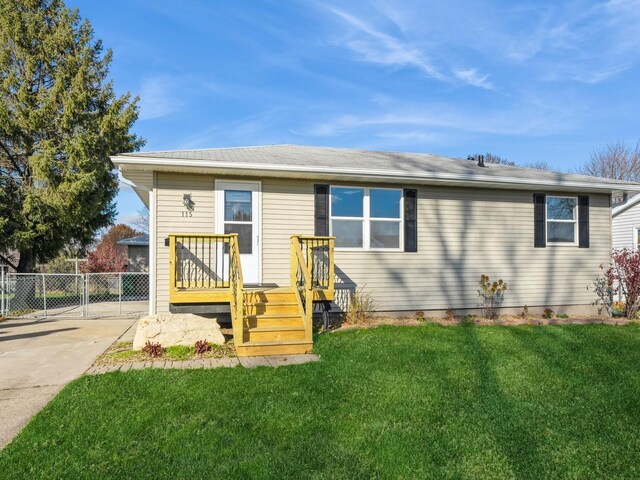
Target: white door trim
(219, 211)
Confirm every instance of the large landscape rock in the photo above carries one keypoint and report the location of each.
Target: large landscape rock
(169, 329)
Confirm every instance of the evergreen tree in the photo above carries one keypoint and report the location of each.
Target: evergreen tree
(60, 119)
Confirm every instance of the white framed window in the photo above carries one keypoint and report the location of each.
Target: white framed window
(562, 220)
(366, 218)
(636, 239)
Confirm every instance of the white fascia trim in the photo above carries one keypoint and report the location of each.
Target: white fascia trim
(372, 174)
(624, 206)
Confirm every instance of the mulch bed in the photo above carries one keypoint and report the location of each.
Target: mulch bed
(122, 352)
(504, 320)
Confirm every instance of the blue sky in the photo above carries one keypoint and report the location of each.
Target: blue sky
(530, 81)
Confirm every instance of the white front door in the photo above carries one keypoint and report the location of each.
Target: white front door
(238, 211)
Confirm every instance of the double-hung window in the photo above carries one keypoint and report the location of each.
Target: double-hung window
(366, 218)
(562, 220)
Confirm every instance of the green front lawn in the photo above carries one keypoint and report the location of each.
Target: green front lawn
(390, 402)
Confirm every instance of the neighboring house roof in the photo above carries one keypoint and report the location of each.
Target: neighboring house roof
(142, 240)
(629, 203)
(296, 161)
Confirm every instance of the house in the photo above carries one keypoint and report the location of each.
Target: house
(272, 232)
(137, 253)
(625, 220)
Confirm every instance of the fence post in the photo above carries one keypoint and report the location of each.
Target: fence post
(120, 294)
(1, 290)
(44, 294)
(85, 286)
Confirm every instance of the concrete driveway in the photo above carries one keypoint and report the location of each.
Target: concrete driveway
(40, 356)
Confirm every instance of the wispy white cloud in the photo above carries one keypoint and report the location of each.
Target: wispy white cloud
(472, 77)
(256, 127)
(580, 41)
(128, 218)
(158, 97)
(376, 46)
(529, 119)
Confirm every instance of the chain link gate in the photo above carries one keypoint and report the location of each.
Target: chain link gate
(58, 294)
(110, 294)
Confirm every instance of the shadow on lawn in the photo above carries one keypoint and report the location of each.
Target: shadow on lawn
(557, 348)
(506, 424)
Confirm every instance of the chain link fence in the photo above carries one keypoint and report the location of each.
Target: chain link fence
(88, 295)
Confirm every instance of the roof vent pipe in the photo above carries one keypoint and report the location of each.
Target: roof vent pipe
(481, 160)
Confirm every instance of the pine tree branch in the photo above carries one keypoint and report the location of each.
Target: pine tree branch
(10, 157)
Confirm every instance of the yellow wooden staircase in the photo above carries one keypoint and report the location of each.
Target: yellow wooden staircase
(273, 324)
(266, 321)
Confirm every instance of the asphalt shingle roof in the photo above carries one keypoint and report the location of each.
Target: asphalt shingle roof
(141, 240)
(332, 159)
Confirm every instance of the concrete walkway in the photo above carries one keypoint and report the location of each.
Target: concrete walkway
(247, 362)
(40, 356)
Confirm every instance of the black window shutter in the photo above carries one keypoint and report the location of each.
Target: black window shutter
(539, 220)
(583, 222)
(410, 220)
(321, 201)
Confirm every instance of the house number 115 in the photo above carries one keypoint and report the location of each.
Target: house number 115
(187, 213)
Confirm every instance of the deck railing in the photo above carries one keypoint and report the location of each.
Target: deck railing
(207, 268)
(318, 255)
(200, 261)
(236, 285)
(312, 273)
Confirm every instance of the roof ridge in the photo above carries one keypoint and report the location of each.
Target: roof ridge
(148, 152)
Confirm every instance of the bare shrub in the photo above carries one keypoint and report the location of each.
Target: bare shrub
(491, 296)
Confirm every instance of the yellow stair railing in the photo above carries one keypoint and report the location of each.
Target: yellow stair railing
(312, 274)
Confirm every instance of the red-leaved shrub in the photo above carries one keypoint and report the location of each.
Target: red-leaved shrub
(153, 349)
(202, 346)
(623, 276)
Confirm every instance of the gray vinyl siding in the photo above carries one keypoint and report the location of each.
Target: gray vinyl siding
(287, 209)
(623, 225)
(169, 190)
(462, 234)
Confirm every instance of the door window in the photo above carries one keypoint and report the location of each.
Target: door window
(238, 216)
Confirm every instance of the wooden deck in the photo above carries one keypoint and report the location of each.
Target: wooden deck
(269, 320)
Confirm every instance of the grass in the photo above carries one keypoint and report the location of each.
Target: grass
(180, 352)
(388, 402)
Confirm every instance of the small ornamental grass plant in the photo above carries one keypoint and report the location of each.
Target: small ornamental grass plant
(361, 308)
(491, 296)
